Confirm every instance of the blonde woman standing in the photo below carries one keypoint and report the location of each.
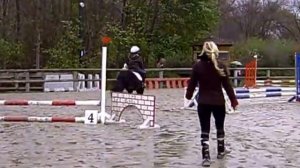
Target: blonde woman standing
(211, 76)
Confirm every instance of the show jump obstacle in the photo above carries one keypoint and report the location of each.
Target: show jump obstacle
(144, 103)
(250, 73)
(297, 78)
(119, 102)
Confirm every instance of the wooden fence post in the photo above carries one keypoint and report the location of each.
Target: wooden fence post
(161, 76)
(27, 83)
(268, 73)
(16, 77)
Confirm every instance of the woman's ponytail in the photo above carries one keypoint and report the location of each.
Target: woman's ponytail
(211, 49)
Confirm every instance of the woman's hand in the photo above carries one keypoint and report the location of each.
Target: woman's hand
(234, 103)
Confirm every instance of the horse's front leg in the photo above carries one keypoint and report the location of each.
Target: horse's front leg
(129, 91)
(140, 91)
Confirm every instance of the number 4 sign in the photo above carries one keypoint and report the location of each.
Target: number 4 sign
(91, 117)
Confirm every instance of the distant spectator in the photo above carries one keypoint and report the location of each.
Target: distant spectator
(161, 62)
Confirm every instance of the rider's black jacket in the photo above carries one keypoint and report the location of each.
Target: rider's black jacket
(135, 62)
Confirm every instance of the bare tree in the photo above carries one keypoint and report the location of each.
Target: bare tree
(38, 34)
(4, 17)
(242, 19)
(18, 20)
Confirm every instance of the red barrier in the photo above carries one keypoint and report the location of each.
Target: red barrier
(16, 102)
(250, 76)
(64, 102)
(154, 83)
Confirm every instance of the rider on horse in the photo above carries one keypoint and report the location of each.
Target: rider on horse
(135, 63)
(132, 77)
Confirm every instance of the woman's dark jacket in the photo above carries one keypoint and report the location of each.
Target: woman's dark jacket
(210, 83)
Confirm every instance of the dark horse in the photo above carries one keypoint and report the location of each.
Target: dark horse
(126, 79)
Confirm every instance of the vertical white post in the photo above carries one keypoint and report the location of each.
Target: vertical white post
(255, 74)
(296, 79)
(235, 75)
(90, 83)
(297, 76)
(103, 84)
(97, 83)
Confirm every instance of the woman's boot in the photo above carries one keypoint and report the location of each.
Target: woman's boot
(222, 151)
(205, 153)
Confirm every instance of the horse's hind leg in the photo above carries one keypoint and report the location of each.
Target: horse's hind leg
(119, 87)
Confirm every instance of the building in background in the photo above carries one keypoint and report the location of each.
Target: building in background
(223, 45)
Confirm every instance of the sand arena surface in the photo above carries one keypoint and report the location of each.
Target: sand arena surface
(265, 133)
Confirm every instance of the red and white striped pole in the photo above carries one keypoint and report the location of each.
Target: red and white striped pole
(21, 102)
(41, 119)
